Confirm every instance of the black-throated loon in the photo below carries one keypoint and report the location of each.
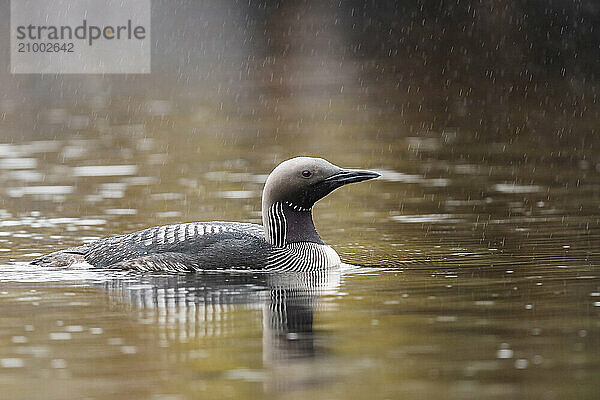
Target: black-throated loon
(287, 240)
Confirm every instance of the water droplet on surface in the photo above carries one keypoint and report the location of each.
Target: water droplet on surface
(504, 353)
(521, 363)
(60, 336)
(11, 363)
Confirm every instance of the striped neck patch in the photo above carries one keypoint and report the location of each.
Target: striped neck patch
(277, 225)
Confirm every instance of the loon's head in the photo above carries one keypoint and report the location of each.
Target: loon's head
(295, 186)
(302, 181)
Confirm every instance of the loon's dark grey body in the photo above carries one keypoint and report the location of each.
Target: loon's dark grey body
(196, 246)
(289, 242)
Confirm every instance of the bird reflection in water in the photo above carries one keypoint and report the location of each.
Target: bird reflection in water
(200, 306)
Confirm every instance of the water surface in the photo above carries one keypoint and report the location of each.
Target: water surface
(471, 279)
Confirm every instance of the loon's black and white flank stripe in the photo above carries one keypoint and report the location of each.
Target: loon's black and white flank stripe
(287, 241)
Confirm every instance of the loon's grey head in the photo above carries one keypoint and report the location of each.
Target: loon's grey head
(297, 184)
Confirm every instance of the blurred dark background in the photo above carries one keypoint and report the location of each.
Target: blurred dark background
(489, 70)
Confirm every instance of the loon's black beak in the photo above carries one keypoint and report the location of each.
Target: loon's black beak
(346, 176)
(340, 178)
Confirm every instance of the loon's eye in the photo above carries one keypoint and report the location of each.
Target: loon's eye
(306, 173)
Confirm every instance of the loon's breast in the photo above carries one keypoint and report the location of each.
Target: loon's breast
(302, 256)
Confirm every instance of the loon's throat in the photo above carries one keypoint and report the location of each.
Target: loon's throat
(287, 223)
